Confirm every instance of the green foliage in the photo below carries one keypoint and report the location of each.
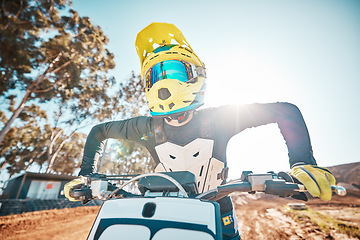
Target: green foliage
(49, 55)
(53, 57)
(69, 158)
(129, 101)
(124, 157)
(127, 158)
(25, 145)
(53, 82)
(21, 25)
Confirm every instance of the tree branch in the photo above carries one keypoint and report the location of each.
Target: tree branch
(53, 140)
(52, 159)
(56, 59)
(45, 90)
(62, 66)
(17, 15)
(15, 114)
(47, 71)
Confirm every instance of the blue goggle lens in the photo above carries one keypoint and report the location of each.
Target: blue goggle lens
(170, 69)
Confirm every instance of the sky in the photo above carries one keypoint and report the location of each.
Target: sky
(303, 52)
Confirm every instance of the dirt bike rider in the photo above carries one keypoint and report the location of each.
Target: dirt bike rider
(180, 137)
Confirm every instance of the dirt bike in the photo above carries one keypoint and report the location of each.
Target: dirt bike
(169, 205)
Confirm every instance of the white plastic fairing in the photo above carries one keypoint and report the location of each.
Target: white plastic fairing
(179, 234)
(173, 218)
(135, 231)
(195, 157)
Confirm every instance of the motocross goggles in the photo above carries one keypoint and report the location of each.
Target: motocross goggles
(173, 69)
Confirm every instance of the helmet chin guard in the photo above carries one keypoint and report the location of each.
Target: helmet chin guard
(180, 96)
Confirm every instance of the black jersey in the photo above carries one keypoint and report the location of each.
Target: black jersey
(202, 141)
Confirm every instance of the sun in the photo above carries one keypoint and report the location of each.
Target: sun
(246, 80)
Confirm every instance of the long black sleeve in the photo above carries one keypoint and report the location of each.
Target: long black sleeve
(287, 116)
(131, 129)
(225, 122)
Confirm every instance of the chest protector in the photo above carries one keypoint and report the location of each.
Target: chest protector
(195, 157)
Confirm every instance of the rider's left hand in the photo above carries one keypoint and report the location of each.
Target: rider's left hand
(70, 185)
(317, 180)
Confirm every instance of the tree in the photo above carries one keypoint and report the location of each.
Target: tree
(23, 145)
(46, 56)
(70, 155)
(124, 157)
(33, 143)
(51, 55)
(129, 100)
(127, 158)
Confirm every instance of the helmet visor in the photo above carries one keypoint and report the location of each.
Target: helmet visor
(170, 69)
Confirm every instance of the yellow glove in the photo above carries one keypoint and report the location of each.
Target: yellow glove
(77, 181)
(317, 180)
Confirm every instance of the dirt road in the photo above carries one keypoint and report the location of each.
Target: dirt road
(264, 218)
(260, 217)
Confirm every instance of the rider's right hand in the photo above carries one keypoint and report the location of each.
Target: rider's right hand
(70, 185)
(317, 180)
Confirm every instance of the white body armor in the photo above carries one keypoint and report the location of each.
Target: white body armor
(195, 157)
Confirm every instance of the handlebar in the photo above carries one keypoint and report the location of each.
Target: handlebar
(339, 190)
(269, 183)
(181, 189)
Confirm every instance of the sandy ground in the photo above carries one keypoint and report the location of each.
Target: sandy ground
(259, 218)
(262, 218)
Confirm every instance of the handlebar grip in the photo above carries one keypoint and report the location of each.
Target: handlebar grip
(84, 191)
(281, 188)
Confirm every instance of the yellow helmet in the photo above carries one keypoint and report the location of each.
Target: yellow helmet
(174, 76)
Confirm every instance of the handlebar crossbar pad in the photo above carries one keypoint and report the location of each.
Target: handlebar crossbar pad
(159, 184)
